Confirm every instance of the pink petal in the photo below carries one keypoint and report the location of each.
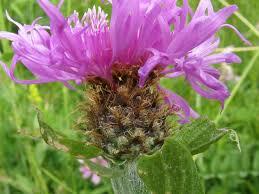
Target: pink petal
(86, 172)
(96, 179)
(172, 99)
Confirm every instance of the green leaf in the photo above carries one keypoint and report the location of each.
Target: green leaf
(170, 170)
(104, 171)
(78, 149)
(199, 135)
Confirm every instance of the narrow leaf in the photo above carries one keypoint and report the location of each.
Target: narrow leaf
(199, 135)
(78, 149)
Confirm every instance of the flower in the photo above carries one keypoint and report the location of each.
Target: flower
(191, 48)
(71, 49)
(87, 173)
(139, 35)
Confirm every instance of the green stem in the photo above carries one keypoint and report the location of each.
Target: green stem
(69, 5)
(198, 102)
(129, 182)
(243, 19)
(4, 43)
(236, 88)
(56, 180)
(65, 101)
(239, 49)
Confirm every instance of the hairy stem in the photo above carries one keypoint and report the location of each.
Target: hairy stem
(129, 182)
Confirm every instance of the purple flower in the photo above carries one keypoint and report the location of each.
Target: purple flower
(87, 173)
(196, 66)
(191, 48)
(71, 50)
(139, 34)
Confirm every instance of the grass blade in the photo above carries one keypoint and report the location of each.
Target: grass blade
(238, 85)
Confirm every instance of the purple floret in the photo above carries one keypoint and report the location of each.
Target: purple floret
(150, 34)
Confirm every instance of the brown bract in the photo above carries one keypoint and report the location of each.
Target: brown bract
(123, 119)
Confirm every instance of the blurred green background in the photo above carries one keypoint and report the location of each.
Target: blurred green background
(29, 166)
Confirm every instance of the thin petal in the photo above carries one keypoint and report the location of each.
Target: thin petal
(204, 5)
(222, 58)
(8, 36)
(218, 92)
(10, 73)
(12, 20)
(175, 74)
(238, 33)
(198, 31)
(206, 48)
(157, 59)
(173, 100)
(53, 12)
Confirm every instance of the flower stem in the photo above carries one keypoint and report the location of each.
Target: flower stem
(198, 103)
(129, 182)
(238, 85)
(243, 19)
(239, 49)
(4, 43)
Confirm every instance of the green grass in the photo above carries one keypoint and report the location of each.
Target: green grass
(29, 166)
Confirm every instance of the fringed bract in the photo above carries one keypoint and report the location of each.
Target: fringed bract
(124, 119)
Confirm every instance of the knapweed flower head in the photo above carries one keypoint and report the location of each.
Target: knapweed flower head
(88, 174)
(123, 59)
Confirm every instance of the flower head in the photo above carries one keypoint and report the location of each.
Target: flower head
(139, 33)
(123, 60)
